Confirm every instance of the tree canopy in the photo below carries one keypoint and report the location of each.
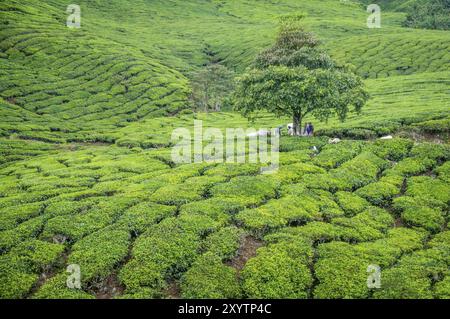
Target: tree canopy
(296, 77)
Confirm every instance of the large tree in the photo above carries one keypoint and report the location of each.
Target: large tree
(296, 77)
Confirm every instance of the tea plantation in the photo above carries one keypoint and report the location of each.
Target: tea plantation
(87, 177)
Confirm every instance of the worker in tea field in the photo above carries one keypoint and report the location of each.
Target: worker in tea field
(309, 129)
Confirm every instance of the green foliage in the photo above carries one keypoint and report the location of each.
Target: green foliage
(295, 78)
(56, 288)
(86, 173)
(394, 150)
(351, 203)
(279, 271)
(411, 278)
(342, 268)
(442, 289)
(333, 155)
(19, 268)
(433, 14)
(278, 213)
(253, 189)
(224, 243)
(430, 219)
(379, 193)
(12, 216)
(211, 86)
(428, 187)
(208, 278)
(139, 217)
(98, 253)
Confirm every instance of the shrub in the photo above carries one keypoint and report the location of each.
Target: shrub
(233, 170)
(434, 126)
(433, 151)
(98, 253)
(191, 190)
(224, 243)
(278, 271)
(292, 173)
(139, 217)
(56, 288)
(299, 156)
(254, 188)
(333, 155)
(342, 268)
(428, 218)
(14, 283)
(410, 279)
(341, 277)
(292, 143)
(379, 193)
(209, 278)
(218, 208)
(35, 255)
(424, 186)
(26, 230)
(325, 181)
(442, 289)
(360, 171)
(396, 180)
(408, 202)
(393, 150)
(444, 172)
(279, 212)
(412, 166)
(142, 277)
(12, 216)
(351, 203)
(164, 250)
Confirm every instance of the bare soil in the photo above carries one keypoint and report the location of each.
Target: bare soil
(247, 250)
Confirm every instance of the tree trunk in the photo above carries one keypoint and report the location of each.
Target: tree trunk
(297, 121)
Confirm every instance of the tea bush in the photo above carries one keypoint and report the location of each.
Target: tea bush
(98, 253)
(12, 216)
(430, 219)
(424, 186)
(56, 288)
(333, 155)
(393, 150)
(139, 217)
(379, 193)
(351, 203)
(279, 271)
(279, 212)
(208, 278)
(87, 176)
(224, 243)
(254, 189)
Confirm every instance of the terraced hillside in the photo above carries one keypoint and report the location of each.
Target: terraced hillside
(87, 176)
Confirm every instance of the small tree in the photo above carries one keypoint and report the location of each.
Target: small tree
(296, 78)
(211, 86)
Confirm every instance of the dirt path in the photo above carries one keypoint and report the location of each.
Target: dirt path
(247, 250)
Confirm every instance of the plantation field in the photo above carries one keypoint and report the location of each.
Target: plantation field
(87, 177)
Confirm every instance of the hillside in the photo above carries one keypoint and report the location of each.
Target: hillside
(87, 176)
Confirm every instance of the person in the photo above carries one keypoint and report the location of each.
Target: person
(308, 129)
(305, 130)
(311, 129)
